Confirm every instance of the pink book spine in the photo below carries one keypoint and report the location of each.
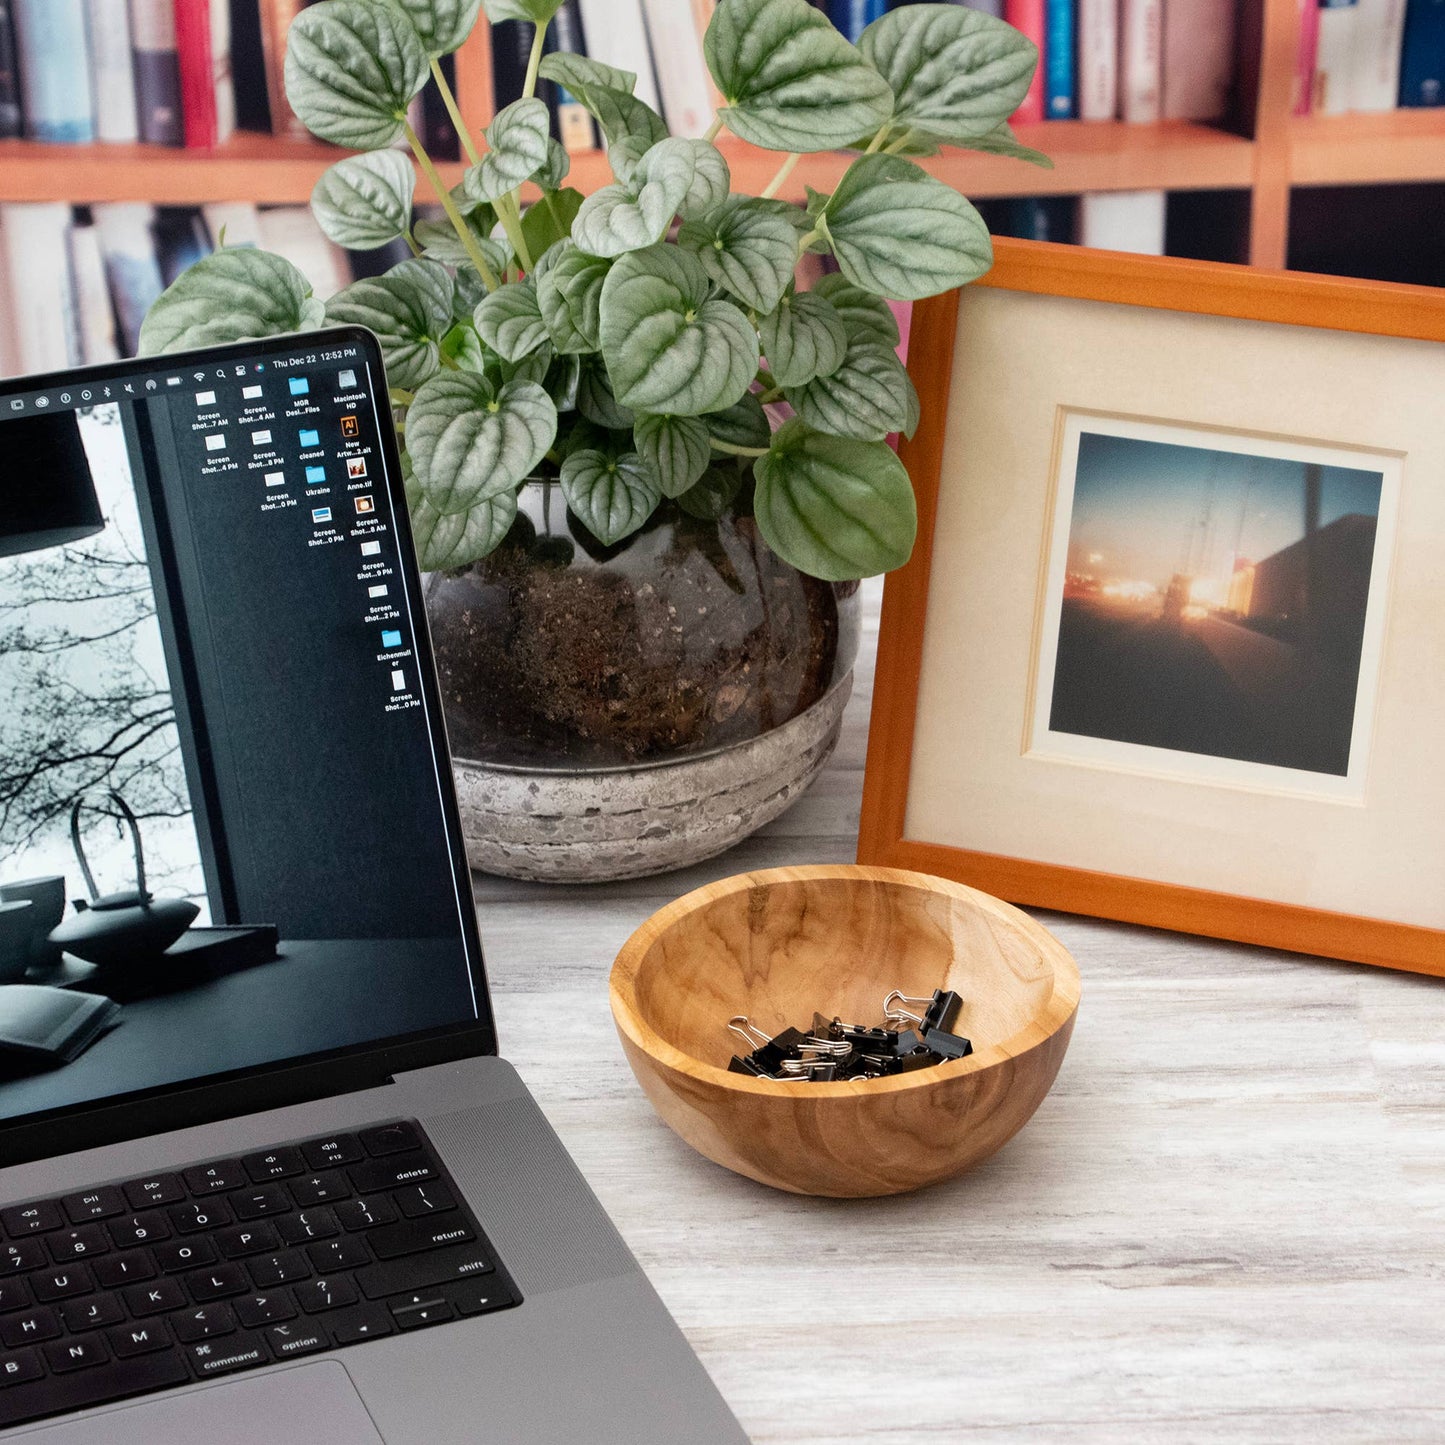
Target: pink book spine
(1027, 16)
(1141, 60)
(1304, 60)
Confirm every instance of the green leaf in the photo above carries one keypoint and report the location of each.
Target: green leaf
(863, 313)
(444, 542)
(510, 322)
(549, 220)
(865, 398)
(442, 24)
(789, 80)
(899, 233)
(410, 309)
(237, 294)
(595, 398)
(714, 493)
(562, 380)
(668, 348)
(805, 337)
(439, 242)
(747, 248)
(538, 11)
(1002, 142)
(471, 441)
(463, 348)
(954, 72)
(744, 424)
(365, 201)
(516, 151)
(676, 448)
(352, 68)
(836, 509)
(675, 175)
(569, 293)
(574, 72)
(550, 175)
(611, 496)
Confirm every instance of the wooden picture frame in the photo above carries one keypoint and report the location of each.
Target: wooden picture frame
(1149, 286)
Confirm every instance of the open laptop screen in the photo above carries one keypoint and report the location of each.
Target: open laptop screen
(210, 622)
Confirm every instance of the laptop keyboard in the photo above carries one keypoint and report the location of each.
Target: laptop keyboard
(157, 1281)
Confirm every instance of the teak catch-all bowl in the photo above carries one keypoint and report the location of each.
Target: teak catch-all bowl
(780, 944)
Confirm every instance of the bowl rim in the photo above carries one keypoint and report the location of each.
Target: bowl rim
(1062, 1003)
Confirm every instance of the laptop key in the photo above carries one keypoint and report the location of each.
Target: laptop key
(203, 1323)
(154, 1299)
(362, 1322)
(334, 1255)
(366, 1213)
(208, 1179)
(416, 1317)
(377, 1175)
(332, 1152)
(116, 1270)
(94, 1204)
(78, 1353)
(29, 1328)
(196, 1218)
(389, 1139)
(423, 1199)
(217, 1283)
(257, 1203)
(81, 1243)
(479, 1296)
(303, 1338)
(274, 1164)
(320, 1188)
(310, 1224)
(84, 1388)
(416, 1235)
(14, 1295)
(255, 1310)
(423, 1271)
(137, 1229)
(139, 1339)
(247, 1239)
(156, 1190)
(61, 1284)
(19, 1366)
(26, 1219)
(22, 1255)
(280, 1268)
(317, 1295)
(94, 1313)
(220, 1357)
(185, 1254)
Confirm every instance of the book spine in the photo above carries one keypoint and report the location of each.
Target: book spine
(1199, 53)
(127, 240)
(1379, 39)
(10, 110)
(682, 77)
(1027, 17)
(1422, 60)
(197, 69)
(571, 121)
(984, 7)
(42, 291)
(853, 17)
(614, 32)
(1123, 221)
(1141, 60)
(112, 78)
(1060, 57)
(157, 72)
(95, 317)
(1098, 59)
(53, 52)
(223, 81)
(511, 47)
(1305, 53)
(276, 18)
(1334, 57)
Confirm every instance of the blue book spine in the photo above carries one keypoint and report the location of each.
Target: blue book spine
(55, 70)
(1422, 59)
(853, 17)
(1060, 97)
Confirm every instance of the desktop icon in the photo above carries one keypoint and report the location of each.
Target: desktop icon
(300, 386)
(356, 468)
(391, 639)
(260, 438)
(150, 386)
(216, 443)
(371, 549)
(240, 371)
(65, 396)
(17, 405)
(85, 396)
(350, 426)
(252, 393)
(173, 381)
(315, 476)
(346, 380)
(365, 506)
(311, 439)
(275, 479)
(199, 375)
(321, 514)
(377, 591)
(205, 398)
(398, 680)
(45, 400)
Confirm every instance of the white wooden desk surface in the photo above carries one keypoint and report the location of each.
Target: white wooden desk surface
(1226, 1223)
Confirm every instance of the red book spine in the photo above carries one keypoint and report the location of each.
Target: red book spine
(1304, 60)
(1028, 16)
(198, 73)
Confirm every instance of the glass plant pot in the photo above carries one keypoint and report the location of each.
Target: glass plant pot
(618, 711)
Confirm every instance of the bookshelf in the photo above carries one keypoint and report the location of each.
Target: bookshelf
(1280, 153)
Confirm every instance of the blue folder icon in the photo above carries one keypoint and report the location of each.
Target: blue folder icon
(315, 476)
(300, 386)
(311, 439)
(391, 639)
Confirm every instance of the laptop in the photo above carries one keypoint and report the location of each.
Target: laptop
(263, 1174)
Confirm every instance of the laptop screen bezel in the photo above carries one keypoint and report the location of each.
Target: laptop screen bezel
(182, 1104)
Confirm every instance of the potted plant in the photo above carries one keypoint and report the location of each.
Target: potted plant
(644, 469)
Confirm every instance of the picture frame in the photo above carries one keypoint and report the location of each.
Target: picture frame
(1170, 646)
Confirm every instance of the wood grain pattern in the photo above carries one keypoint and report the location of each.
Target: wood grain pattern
(779, 945)
(1372, 308)
(1222, 1225)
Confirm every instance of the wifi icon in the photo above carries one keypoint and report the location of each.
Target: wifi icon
(200, 375)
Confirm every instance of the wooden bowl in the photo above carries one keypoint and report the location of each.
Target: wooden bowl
(777, 945)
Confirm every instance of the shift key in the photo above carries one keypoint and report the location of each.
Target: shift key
(412, 1236)
(423, 1271)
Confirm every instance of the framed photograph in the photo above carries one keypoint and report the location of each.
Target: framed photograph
(1171, 647)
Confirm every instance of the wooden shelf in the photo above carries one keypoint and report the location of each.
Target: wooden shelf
(1345, 150)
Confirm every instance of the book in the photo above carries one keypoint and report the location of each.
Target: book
(1422, 56)
(54, 53)
(687, 95)
(275, 20)
(126, 230)
(203, 55)
(112, 77)
(41, 1027)
(511, 49)
(40, 292)
(1304, 58)
(437, 132)
(614, 32)
(94, 314)
(232, 223)
(852, 17)
(182, 239)
(1141, 60)
(1123, 221)
(571, 121)
(1042, 218)
(1027, 16)
(157, 72)
(1060, 58)
(1379, 39)
(1098, 59)
(1199, 54)
(984, 7)
(11, 115)
(1334, 46)
(292, 232)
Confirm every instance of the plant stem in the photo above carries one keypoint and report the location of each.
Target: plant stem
(784, 171)
(898, 143)
(534, 62)
(774, 393)
(450, 101)
(736, 451)
(876, 144)
(411, 241)
(402, 398)
(510, 215)
(805, 241)
(714, 128)
(766, 379)
(463, 230)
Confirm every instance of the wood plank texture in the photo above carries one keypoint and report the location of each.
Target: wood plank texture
(1222, 1225)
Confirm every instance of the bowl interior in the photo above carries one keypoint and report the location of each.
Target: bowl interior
(777, 951)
